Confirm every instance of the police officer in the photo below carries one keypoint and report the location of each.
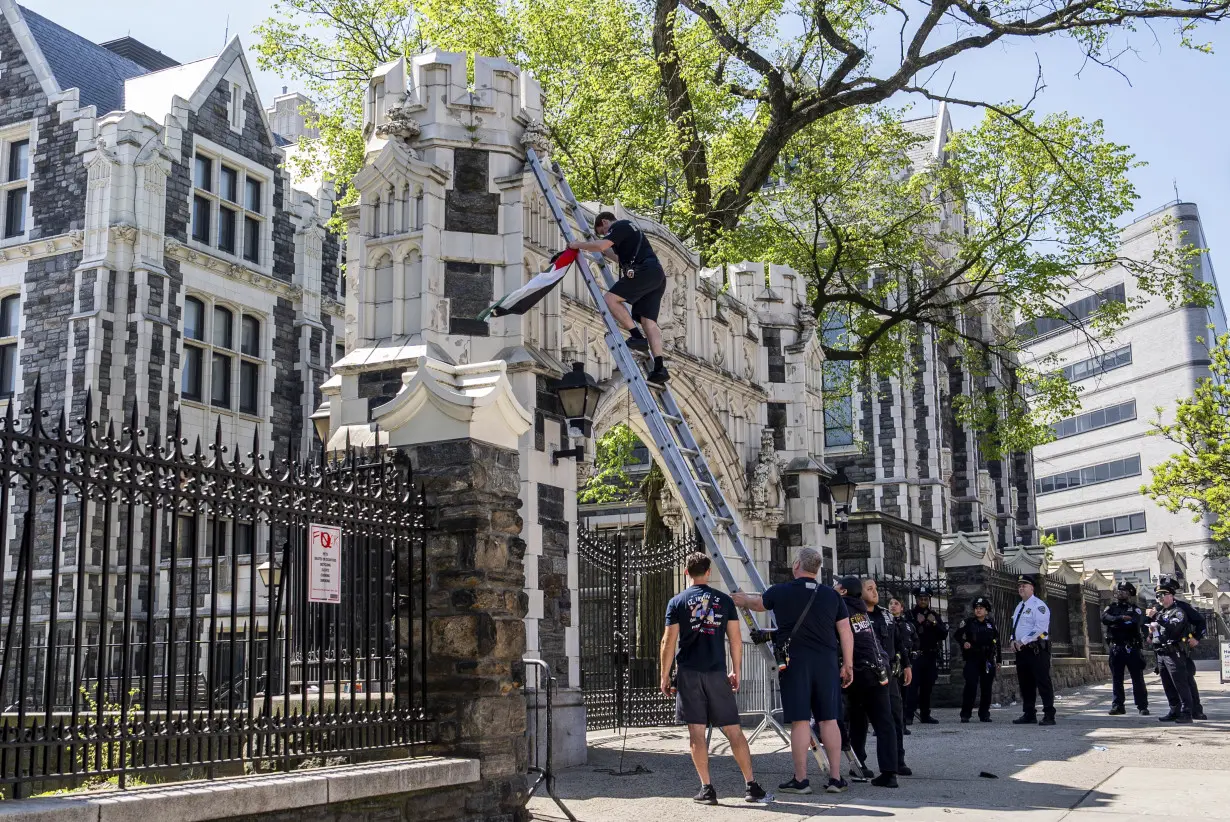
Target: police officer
(979, 641)
(889, 634)
(1173, 634)
(1199, 627)
(931, 635)
(1031, 622)
(1125, 623)
(907, 652)
(867, 696)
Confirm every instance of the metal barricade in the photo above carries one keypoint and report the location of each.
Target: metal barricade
(539, 695)
(759, 696)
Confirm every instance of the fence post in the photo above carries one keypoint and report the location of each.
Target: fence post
(460, 426)
(966, 560)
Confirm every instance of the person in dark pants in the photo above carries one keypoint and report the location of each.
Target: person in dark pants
(907, 650)
(931, 635)
(1199, 626)
(1173, 636)
(703, 688)
(889, 633)
(980, 648)
(813, 631)
(1031, 622)
(1125, 622)
(868, 695)
(637, 296)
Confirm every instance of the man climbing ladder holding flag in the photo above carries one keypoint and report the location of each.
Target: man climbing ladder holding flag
(642, 282)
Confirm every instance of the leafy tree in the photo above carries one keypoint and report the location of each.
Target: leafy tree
(767, 129)
(613, 454)
(1197, 477)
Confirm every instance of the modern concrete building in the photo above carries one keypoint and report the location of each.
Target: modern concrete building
(1088, 479)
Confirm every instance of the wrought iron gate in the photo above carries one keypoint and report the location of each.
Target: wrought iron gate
(625, 586)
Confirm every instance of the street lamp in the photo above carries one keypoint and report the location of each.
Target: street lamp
(578, 396)
(271, 572)
(841, 491)
(320, 421)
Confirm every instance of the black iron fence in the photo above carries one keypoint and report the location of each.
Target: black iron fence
(165, 608)
(902, 588)
(624, 588)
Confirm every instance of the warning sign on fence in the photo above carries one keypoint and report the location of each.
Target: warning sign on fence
(324, 564)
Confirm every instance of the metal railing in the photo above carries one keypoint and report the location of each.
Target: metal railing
(135, 640)
(540, 695)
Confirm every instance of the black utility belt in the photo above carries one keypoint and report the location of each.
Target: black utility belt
(1037, 646)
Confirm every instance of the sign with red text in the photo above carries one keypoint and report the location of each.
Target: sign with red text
(324, 563)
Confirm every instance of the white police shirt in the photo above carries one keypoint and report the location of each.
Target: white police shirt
(1032, 620)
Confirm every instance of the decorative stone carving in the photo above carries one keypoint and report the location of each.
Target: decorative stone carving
(538, 138)
(719, 354)
(399, 125)
(125, 231)
(768, 499)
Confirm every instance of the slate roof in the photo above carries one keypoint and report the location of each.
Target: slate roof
(78, 63)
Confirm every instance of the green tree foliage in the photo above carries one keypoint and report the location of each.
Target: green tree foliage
(768, 130)
(1197, 477)
(610, 481)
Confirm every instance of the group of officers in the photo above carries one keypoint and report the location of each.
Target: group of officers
(845, 662)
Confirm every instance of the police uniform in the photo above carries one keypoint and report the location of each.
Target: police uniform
(982, 656)
(890, 638)
(1031, 623)
(867, 697)
(1170, 629)
(931, 635)
(907, 649)
(1125, 623)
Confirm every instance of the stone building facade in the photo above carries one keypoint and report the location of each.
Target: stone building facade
(156, 254)
(923, 476)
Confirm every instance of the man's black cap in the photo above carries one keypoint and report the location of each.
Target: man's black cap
(921, 591)
(852, 584)
(1169, 584)
(1027, 579)
(1126, 586)
(982, 602)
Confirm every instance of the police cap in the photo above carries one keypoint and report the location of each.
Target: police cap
(1025, 579)
(1169, 585)
(921, 591)
(981, 602)
(1126, 586)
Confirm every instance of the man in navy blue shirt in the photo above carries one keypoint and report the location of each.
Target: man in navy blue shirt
(821, 654)
(699, 621)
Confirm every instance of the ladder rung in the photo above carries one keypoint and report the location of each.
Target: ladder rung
(671, 418)
(690, 452)
(723, 520)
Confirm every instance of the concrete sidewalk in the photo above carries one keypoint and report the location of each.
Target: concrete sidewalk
(1089, 768)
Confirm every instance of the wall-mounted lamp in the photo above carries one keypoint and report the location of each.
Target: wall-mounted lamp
(841, 491)
(578, 396)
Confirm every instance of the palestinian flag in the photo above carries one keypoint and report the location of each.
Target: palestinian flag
(528, 295)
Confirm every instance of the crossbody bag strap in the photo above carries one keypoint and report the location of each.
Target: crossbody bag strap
(806, 608)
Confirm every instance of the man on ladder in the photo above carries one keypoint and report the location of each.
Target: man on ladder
(642, 282)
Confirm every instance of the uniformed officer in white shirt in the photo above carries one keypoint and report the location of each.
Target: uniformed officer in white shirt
(1031, 622)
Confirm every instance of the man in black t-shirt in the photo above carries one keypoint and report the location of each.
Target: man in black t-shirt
(821, 654)
(700, 620)
(641, 285)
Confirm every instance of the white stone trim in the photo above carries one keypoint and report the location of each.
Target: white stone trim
(235, 271)
(46, 247)
(248, 795)
(34, 54)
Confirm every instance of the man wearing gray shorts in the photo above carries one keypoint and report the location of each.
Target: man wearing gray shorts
(698, 623)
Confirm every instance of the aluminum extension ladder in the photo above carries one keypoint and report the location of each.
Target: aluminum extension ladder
(670, 431)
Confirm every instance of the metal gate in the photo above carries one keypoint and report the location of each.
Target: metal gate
(625, 586)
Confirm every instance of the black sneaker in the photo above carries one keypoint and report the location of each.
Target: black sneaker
(753, 793)
(707, 796)
(1200, 715)
(658, 375)
(1025, 719)
(795, 786)
(861, 774)
(906, 731)
(929, 720)
(835, 786)
(1171, 717)
(904, 770)
(1183, 719)
(1144, 711)
(984, 718)
(1047, 720)
(1116, 710)
(885, 780)
(965, 720)
(638, 343)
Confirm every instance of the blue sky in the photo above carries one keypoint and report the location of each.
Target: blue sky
(1174, 113)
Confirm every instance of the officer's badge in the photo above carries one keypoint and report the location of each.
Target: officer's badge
(1029, 610)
